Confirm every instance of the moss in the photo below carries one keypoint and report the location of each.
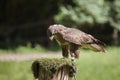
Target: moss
(49, 66)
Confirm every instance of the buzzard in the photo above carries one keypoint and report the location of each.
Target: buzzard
(71, 39)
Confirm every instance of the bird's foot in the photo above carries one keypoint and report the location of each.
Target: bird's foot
(73, 64)
(73, 60)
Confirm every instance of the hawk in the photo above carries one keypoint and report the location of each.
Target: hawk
(71, 39)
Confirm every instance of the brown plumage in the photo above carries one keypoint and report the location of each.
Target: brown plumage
(71, 39)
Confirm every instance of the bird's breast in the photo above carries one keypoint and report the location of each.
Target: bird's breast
(60, 40)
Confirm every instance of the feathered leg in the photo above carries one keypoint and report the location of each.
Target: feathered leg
(74, 51)
(65, 52)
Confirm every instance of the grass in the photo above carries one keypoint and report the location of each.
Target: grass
(98, 66)
(91, 66)
(15, 71)
(29, 49)
(24, 49)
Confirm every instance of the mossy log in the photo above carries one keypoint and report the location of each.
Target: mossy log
(52, 69)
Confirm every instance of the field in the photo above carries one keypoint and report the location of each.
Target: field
(91, 66)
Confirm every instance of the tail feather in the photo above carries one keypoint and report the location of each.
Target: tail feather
(96, 45)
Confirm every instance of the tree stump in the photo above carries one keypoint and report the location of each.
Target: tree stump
(53, 69)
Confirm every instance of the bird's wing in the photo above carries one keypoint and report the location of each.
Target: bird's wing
(76, 36)
(83, 39)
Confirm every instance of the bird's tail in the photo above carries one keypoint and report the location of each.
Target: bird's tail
(98, 46)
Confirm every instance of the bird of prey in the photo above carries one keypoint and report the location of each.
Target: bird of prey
(71, 39)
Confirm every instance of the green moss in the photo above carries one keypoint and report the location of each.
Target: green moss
(49, 66)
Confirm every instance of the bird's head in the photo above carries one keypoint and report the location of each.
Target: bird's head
(54, 29)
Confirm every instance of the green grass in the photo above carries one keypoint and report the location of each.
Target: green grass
(29, 49)
(24, 49)
(94, 66)
(91, 66)
(15, 71)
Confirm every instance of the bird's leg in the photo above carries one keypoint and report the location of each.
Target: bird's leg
(73, 64)
(73, 67)
(72, 50)
(74, 54)
(65, 52)
(73, 59)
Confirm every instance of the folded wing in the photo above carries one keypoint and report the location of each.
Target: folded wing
(83, 39)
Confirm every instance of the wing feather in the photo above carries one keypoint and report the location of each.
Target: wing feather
(76, 36)
(83, 39)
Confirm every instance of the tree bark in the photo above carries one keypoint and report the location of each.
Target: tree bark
(116, 36)
(62, 74)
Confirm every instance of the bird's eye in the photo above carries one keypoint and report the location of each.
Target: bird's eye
(49, 33)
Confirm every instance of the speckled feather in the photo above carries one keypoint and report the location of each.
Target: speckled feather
(66, 36)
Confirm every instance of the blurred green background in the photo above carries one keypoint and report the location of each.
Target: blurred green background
(90, 66)
(26, 21)
(23, 25)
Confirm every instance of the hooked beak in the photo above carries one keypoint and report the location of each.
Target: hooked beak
(51, 37)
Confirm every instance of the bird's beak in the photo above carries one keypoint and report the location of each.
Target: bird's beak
(51, 37)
